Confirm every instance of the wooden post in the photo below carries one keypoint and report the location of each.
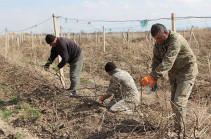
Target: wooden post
(150, 37)
(96, 38)
(184, 33)
(69, 36)
(74, 37)
(103, 38)
(5, 47)
(128, 37)
(32, 42)
(18, 43)
(40, 37)
(56, 30)
(79, 39)
(12, 44)
(21, 37)
(61, 35)
(173, 22)
(209, 64)
(6, 44)
(123, 37)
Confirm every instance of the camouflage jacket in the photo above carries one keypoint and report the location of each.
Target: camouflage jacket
(174, 57)
(122, 86)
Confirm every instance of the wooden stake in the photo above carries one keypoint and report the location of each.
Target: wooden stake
(173, 22)
(209, 64)
(18, 43)
(8, 44)
(122, 37)
(6, 47)
(96, 38)
(40, 37)
(56, 30)
(32, 40)
(103, 39)
(128, 37)
(74, 37)
(12, 43)
(79, 39)
(61, 35)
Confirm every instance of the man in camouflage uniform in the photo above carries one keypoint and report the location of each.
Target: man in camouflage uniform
(173, 55)
(122, 86)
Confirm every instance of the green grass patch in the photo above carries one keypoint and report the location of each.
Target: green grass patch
(32, 112)
(8, 90)
(19, 135)
(86, 80)
(5, 113)
(58, 101)
(13, 100)
(83, 68)
(21, 117)
(17, 108)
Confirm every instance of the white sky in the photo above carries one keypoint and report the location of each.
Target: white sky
(21, 14)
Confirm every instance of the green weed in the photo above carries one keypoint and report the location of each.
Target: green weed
(32, 112)
(19, 135)
(5, 114)
(13, 100)
(83, 69)
(7, 89)
(58, 101)
(86, 80)
(21, 117)
(2, 103)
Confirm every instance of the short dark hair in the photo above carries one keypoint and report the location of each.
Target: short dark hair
(157, 28)
(110, 66)
(50, 38)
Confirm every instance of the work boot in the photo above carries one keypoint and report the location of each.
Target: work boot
(72, 92)
(175, 135)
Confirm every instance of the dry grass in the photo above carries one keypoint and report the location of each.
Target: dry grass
(135, 58)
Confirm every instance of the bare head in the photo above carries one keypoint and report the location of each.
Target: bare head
(159, 32)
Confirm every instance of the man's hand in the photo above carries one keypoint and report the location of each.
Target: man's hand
(46, 66)
(149, 80)
(56, 68)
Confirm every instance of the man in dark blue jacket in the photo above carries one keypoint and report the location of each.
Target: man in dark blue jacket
(70, 53)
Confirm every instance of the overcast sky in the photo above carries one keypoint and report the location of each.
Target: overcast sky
(21, 14)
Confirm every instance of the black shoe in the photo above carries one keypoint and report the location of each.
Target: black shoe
(73, 93)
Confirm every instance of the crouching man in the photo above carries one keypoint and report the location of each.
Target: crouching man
(122, 86)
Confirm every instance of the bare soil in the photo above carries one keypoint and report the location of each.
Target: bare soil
(34, 105)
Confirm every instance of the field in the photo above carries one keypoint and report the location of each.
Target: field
(34, 105)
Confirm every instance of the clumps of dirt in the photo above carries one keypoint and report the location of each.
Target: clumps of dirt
(48, 111)
(53, 114)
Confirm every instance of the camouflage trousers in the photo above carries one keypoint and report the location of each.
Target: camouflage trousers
(180, 92)
(123, 106)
